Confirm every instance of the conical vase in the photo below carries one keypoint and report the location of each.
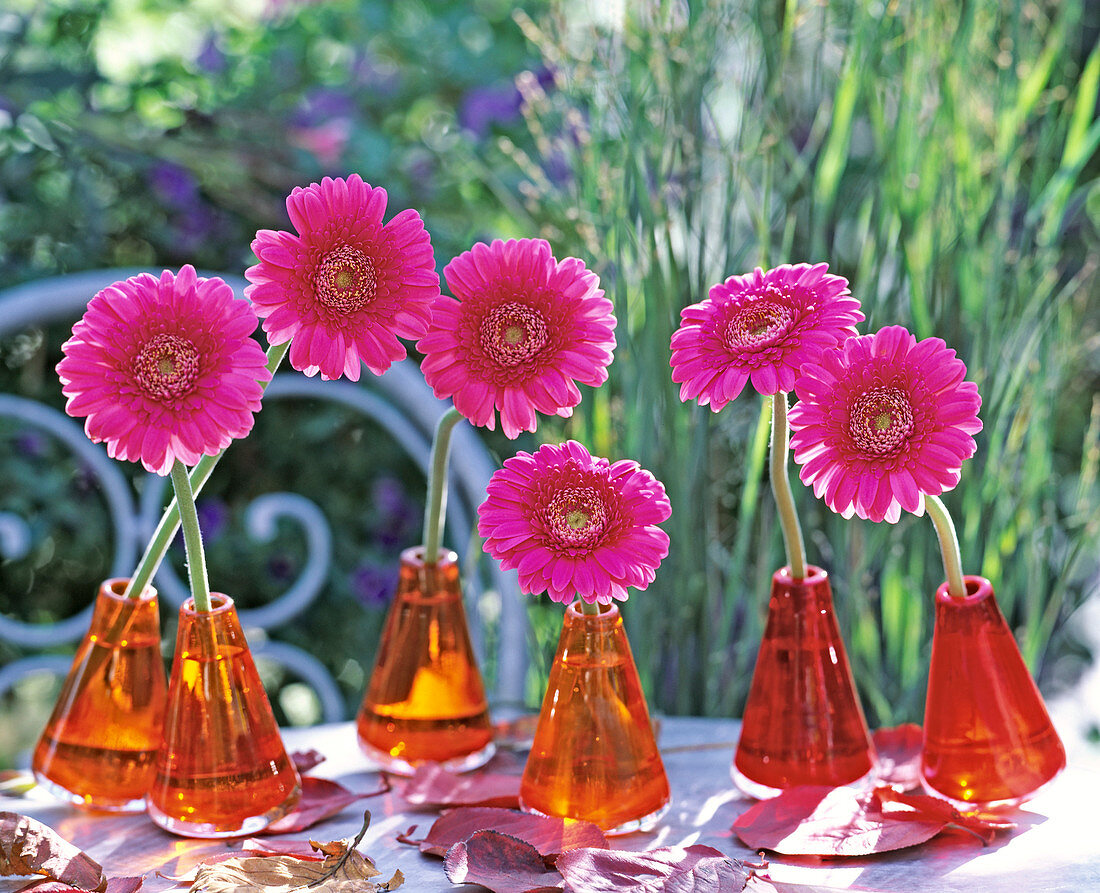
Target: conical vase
(803, 723)
(594, 754)
(223, 770)
(426, 701)
(988, 739)
(100, 743)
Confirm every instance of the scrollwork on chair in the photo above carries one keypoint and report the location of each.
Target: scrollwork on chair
(399, 402)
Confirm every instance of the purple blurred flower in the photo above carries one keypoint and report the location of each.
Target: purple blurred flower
(381, 77)
(210, 58)
(557, 168)
(196, 228)
(174, 185)
(322, 124)
(482, 107)
(373, 584)
(30, 444)
(281, 569)
(397, 514)
(321, 105)
(213, 517)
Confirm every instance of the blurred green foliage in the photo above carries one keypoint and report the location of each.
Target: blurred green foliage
(942, 157)
(148, 134)
(156, 133)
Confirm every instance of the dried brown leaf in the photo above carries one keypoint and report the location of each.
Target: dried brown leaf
(282, 874)
(27, 847)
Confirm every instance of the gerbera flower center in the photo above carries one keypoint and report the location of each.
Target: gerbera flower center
(167, 366)
(758, 324)
(576, 517)
(881, 420)
(345, 280)
(513, 333)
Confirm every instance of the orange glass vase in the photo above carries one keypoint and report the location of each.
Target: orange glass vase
(426, 700)
(803, 723)
(223, 770)
(988, 740)
(594, 755)
(99, 745)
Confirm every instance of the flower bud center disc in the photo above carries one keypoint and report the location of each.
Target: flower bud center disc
(576, 516)
(167, 366)
(881, 420)
(758, 324)
(513, 333)
(345, 280)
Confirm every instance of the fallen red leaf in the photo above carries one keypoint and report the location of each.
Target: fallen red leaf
(502, 863)
(824, 821)
(304, 760)
(321, 799)
(28, 847)
(549, 836)
(898, 751)
(984, 825)
(693, 869)
(433, 787)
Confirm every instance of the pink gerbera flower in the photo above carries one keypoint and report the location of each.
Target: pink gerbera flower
(760, 328)
(347, 286)
(883, 421)
(521, 331)
(164, 369)
(575, 525)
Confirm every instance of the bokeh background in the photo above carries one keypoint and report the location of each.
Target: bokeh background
(942, 156)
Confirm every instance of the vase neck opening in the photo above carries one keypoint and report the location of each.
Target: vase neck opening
(978, 589)
(815, 576)
(607, 613)
(219, 604)
(414, 556)
(115, 588)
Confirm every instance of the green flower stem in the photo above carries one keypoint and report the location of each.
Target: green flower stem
(170, 520)
(949, 545)
(592, 610)
(192, 537)
(781, 489)
(435, 512)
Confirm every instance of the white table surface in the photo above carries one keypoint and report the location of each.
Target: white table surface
(1056, 846)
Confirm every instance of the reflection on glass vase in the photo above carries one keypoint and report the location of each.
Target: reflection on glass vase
(988, 740)
(99, 745)
(223, 770)
(594, 754)
(803, 723)
(426, 701)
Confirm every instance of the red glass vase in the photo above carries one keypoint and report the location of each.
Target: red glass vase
(803, 723)
(223, 770)
(988, 740)
(426, 701)
(99, 745)
(594, 755)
